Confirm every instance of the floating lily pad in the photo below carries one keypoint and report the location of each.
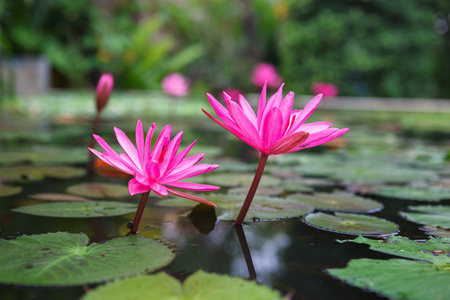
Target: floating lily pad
(243, 179)
(339, 202)
(62, 259)
(9, 190)
(45, 155)
(401, 278)
(98, 190)
(21, 174)
(397, 278)
(82, 209)
(209, 150)
(351, 223)
(293, 187)
(438, 215)
(62, 171)
(427, 193)
(57, 197)
(434, 250)
(200, 286)
(431, 230)
(234, 166)
(263, 191)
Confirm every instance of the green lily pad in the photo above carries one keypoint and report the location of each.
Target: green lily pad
(339, 202)
(434, 250)
(200, 286)
(21, 174)
(397, 278)
(62, 172)
(45, 155)
(292, 187)
(243, 179)
(209, 150)
(57, 197)
(431, 230)
(9, 190)
(427, 193)
(263, 191)
(438, 215)
(351, 223)
(82, 209)
(233, 166)
(98, 190)
(63, 259)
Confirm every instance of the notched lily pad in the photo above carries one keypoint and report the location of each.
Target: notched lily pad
(397, 278)
(82, 209)
(63, 259)
(98, 190)
(351, 223)
(9, 190)
(200, 286)
(426, 193)
(339, 202)
(437, 215)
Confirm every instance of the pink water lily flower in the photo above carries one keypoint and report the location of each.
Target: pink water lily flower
(159, 169)
(175, 85)
(326, 89)
(265, 73)
(274, 129)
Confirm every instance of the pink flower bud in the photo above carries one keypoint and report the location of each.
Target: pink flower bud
(327, 89)
(266, 72)
(104, 88)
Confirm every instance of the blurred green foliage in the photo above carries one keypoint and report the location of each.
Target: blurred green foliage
(366, 48)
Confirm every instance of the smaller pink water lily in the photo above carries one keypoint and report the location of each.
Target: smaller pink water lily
(326, 89)
(175, 85)
(275, 129)
(265, 72)
(103, 91)
(159, 169)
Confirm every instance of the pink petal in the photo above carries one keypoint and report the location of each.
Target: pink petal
(140, 142)
(159, 189)
(222, 113)
(172, 150)
(118, 163)
(262, 104)
(247, 127)
(137, 188)
(180, 157)
(332, 136)
(190, 197)
(314, 127)
(190, 172)
(286, 108)
(273, 128)
(163, 137)
(306, 112)
(104, 145)
(148, 143)
(152, 170)
(247, 109)
(127, 146)
(288, 143)
(192, 186)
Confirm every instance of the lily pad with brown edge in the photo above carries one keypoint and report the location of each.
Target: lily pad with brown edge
(397, 278)
(354, 224)
(81, 209)
(436, 231)
(436, 251)
(433, 215)
(9, 190)
(65, 259)
(425, 193)
(342, 202)
(240, 179)
(200, 286)
(263, 191)
(57, 197)
(99, 190)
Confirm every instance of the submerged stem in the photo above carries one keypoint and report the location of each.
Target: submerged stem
(139, 212)
(251, 193)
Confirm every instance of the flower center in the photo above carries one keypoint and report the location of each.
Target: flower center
(163, 152)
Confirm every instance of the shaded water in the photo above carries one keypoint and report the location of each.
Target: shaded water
(288, 255)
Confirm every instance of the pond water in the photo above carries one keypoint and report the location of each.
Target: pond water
(288, 254)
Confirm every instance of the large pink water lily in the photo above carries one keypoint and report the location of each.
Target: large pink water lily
(159, 169)
(275, 128)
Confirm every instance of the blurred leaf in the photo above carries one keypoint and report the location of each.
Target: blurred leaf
(98, 190)
(438, 215)
(425, 193)
(9, 190)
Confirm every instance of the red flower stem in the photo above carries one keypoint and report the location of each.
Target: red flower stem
(91, 160)
(139, 212)
(251, 193)
(246, 251)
